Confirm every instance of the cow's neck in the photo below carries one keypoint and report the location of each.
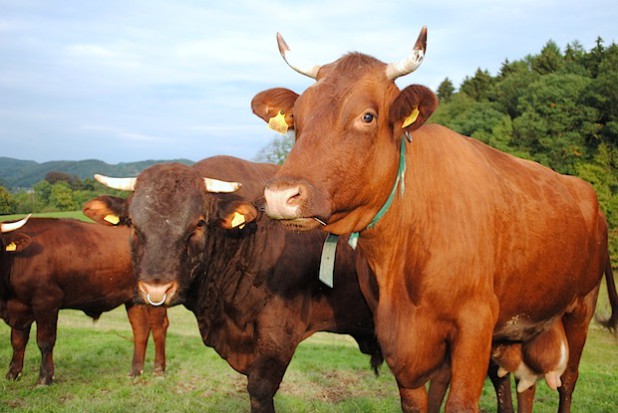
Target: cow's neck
(398, 187)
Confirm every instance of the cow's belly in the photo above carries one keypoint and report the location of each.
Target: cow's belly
(521, 327)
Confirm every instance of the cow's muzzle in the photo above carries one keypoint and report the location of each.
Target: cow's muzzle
(158, 294)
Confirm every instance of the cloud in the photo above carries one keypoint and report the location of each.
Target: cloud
(176, 78)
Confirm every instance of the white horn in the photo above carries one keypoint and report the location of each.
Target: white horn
(124, 184)
(285, 51)
(215, 185)
(411, 62)
(12, 226)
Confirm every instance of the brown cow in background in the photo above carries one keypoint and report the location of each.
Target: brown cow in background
(51, 264)
(471, 247)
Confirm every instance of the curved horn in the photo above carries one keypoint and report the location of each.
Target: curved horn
(12, 226)
(215, 185)
(285, 51)
(412, 61)
(124, 184)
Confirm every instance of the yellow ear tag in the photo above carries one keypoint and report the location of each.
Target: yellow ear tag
(112, 219)
(11, 247)
(278, 123)
(410, 119)
(238, 220)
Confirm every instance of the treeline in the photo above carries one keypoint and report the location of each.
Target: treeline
(17, 173)
(57, 192)
(559, 108)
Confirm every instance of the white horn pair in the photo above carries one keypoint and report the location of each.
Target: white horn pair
(393, 70)
(128, 184)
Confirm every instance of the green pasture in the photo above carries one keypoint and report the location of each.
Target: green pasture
(327, 374)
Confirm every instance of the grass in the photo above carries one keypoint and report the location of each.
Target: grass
(66, 214)
(327, 374)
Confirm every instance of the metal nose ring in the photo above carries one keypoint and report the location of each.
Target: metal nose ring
(153, 303)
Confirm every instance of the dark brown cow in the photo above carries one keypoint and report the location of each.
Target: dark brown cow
(252, 286)
(50, 264)
(470, 246)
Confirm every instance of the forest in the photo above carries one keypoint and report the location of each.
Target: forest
(557, 107)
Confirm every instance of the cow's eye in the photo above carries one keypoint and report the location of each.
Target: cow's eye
(201, 223)
(368, 117)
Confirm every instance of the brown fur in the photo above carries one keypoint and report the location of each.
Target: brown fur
(71, 264)
(481, 246)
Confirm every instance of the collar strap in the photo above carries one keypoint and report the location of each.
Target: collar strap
(327, 262)
(400, 173)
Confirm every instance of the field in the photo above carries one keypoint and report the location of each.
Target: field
(327, 374)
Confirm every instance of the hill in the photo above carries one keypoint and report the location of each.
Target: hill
(16, 173)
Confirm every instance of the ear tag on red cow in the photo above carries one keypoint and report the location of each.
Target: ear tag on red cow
(112, 219)
(238, 220)
(11, 247)
(278, 123)
(410, 119)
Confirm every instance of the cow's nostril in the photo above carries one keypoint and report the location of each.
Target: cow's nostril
(157, 294)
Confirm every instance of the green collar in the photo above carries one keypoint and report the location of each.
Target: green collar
(327, 263)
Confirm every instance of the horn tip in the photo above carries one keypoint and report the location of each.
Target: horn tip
(283, 46)
(421, 42)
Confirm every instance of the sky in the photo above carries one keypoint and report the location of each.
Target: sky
(124, 81)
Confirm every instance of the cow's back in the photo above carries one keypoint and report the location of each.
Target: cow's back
(85, 265)
(253, 176)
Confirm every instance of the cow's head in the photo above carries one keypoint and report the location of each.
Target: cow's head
(171, 211)
(348, 127)
(12, 241)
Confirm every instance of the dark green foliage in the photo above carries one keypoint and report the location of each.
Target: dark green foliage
(557, 108)
(7, 203)
(60, 189)
(23, 174)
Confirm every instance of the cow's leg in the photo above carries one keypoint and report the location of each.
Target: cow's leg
(470, 353)
(20, 317)
(576, 329)
(413, 400)
(525, 400)
(264, 379)
(19, 339)
(138, 318)
(47, 324)
(157, 317)
(437, 388)
(502, 386)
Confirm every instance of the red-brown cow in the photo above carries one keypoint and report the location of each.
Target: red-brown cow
(50, 264)
(470, 246)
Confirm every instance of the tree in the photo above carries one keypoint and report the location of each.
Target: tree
(445, 90)
(277, 150)
(555, 124)
(55, 177)
(61, 197)
(42, 191)
(479, 87)
(550, 60)
(7, 203)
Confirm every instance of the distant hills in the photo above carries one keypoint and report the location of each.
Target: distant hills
(16, 173)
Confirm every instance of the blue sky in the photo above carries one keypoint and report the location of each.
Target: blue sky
(122, 80)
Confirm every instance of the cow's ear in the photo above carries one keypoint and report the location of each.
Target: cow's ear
(413, 107)
(275, 107)
(236, 214)
(106, 210)
(16, 242)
